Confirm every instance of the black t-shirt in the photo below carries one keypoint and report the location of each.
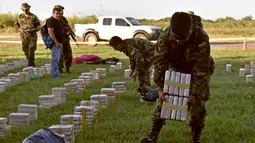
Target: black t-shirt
(57, 28)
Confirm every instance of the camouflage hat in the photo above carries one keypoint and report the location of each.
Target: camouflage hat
(59, 7)
(190, 12)
(25, 6)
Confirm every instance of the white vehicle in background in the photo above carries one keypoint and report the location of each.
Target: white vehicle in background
(109, 26)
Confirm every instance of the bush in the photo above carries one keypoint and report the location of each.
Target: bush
(221, 26)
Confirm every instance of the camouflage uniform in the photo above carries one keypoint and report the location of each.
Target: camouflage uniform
(67, 50)
(140, 53)
(193, 58)
(31, 25)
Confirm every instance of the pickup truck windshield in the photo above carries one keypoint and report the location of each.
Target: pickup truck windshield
(133, 21)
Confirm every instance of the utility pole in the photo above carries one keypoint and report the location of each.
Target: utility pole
(101, 10)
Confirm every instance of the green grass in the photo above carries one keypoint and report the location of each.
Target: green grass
(230, 116)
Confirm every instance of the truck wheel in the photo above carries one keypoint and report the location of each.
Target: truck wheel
(91, 37)
(141, 35)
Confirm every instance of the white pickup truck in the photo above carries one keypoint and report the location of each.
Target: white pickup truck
(109, 26)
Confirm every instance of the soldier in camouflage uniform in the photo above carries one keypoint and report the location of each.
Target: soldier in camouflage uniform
(140, 53)
(66, 54)
(184, 47)
(28, 24)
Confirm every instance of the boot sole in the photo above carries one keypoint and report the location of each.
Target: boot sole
(145, 140)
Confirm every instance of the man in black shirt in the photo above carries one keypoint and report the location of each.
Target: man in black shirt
(56, 33)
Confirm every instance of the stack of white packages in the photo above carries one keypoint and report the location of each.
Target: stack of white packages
(38, 71)
(1, 70)
(94, 104)
(177, 85)
(8, 80)
(2, 86)
(47, 101)
(71, 87)
(75, 120)
(120, 87)
(110, 92)
(17, 64)
(80, 83)
(60, 94)
(100, 98)
(127, 73)
(18, 77)
(19, 119)
(4, 128)
(14, 78)
(88, 75)
(46, 69)
(87, 79)
(24, 76)
(112, 68)
(96, 75)
(4, 67)
(102, 70)
(66, 130)
(29, 70)
(29, 108)
(86, 112)
(118, 66)
(24, 62)
(11, 65)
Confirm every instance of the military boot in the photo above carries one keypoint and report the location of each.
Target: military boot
(196, 129)
(153, 135)
(68, 70)
(60, 70)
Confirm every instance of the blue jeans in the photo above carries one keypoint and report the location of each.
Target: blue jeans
(55, 57)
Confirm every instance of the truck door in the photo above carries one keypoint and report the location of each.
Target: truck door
(106, 30)
(123, 29)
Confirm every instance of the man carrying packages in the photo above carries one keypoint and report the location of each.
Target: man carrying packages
(184, 47)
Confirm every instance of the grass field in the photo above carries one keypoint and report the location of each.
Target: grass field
(230, 116)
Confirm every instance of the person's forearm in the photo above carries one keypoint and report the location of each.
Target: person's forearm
(53, 37)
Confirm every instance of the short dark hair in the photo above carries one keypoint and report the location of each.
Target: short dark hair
(56, 9)
(115, 40)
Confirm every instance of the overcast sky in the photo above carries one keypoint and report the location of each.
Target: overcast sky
(152, 9)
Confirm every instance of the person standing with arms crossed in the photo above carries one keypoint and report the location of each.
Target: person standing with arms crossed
(28, 24)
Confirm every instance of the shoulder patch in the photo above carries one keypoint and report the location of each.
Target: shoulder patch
(204, 44)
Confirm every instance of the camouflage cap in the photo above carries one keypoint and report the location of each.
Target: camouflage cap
(190, 12)
(59, 7)
(25, 6)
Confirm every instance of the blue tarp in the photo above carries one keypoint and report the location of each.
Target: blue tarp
(44, 135)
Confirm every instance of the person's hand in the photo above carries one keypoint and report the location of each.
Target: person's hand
(21, 30)
(191, 101)
(131, 73)
(59, 45)
(161, 95)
